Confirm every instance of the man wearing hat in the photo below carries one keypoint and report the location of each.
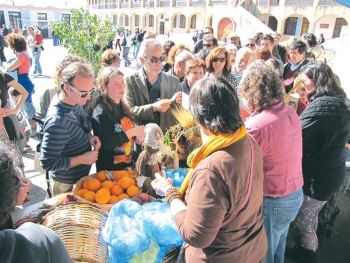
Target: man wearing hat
(234, 39)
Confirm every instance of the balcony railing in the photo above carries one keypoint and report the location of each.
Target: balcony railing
(105, 6)
(149, 3)
(198, 3)
(268, 3)
(181, 3)
(136, 5)
(218, 2)
(164, 3)
(124, 5)
(329, 2)
(300, 2)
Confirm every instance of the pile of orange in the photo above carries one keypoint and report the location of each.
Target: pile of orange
(103, 191)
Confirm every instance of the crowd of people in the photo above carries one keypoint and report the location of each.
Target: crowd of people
(269, 165)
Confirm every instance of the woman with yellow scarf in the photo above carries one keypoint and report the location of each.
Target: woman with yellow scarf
(218, 208)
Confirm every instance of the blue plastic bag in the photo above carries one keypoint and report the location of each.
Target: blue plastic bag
(124, 232)
(159, 221)
(177, 175)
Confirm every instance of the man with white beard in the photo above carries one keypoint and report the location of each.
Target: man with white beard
(244, 57)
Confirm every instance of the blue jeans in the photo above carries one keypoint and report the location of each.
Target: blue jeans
(125, 55)
(30, 111)
(278, 214)
(37, 66)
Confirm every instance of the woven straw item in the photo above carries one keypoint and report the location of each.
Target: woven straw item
(79, 226)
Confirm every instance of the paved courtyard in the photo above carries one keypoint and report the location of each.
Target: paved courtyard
(336, 250)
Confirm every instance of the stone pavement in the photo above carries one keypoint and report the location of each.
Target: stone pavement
(336, 250)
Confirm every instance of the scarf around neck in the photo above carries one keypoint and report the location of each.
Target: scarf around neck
(214, 143)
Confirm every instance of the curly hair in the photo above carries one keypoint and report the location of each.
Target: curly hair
(175, 50)
(10, 184)
(67, 60)
(106, 102)
(16, 42)
(168, 44)
(214, 104)
(213, 54)
(109, 56)
(324, 80)
(259, 85)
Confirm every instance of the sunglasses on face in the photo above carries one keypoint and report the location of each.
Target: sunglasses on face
(222, 60)
(83, 94)
(154, 60)
(206, 33)
(207, 45)
(250, 45)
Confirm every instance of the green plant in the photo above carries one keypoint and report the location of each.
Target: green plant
(78, 35)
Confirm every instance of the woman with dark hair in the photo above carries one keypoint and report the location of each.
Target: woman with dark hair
(312, 46)
(221, 217)
(111, 121)
(276, 128)
(325, 130)
(194, 71)
(12, 132)
(30, 242)
(22, 64)
(218, 63)
(166, 49)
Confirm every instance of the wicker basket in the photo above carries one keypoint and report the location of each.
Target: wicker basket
(79, 226)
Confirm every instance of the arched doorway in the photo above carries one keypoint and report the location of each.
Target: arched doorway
(339, 23)
(225, 27)
(272, 23)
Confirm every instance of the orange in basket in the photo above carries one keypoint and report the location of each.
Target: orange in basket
(113, 200)
(108, 184)
(90, 196)
(133, 191)
(126, 182)
(94, 184)
(102, 196)
(82, 192)
(86, 184)
(118, 175)
(116, 190)
(101, 176)
(123, 196)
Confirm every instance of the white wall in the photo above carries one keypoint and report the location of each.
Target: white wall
(327, 32)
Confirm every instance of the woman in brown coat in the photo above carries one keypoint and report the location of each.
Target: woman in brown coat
(218, 208)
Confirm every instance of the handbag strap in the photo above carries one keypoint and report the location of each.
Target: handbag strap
(249, 186)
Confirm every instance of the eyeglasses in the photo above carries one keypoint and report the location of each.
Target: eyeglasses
(207, 45)
(250, 45)
(83, 94)
(206, 33)
(222, 60)
(154, 60)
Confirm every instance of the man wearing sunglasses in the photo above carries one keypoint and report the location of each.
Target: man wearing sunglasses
(199, 44)
(66, 144)
(149, 91)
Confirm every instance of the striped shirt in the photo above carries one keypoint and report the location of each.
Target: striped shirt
(66, 134)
